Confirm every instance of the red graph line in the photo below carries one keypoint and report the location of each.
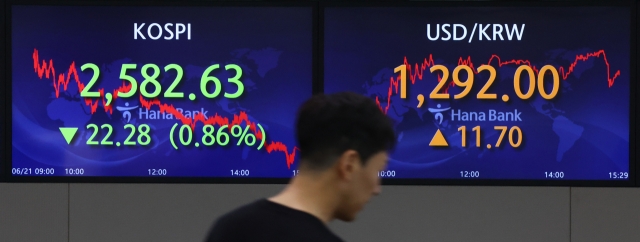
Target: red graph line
(417, 71)
(47, 70)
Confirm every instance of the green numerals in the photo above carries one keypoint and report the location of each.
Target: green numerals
(104, 141)
(206, 78)
(110, 130)
(143, 136)
(95, 132)
(133, 132)
(150, 79)
(235, 80)
(183, 129)
(130, 79)
(169, 93)
(207, 138)
(96, 73)
(215, 136)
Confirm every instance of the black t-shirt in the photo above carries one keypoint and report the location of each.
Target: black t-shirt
(264, 220)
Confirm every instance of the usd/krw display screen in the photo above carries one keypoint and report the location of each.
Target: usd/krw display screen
(522, 93)
(158, 91)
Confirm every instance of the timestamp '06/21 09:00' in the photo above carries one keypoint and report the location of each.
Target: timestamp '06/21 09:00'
(33, 171)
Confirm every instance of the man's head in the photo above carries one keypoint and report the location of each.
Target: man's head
(346, 137)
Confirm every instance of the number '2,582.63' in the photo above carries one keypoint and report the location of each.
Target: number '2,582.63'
(152, 79)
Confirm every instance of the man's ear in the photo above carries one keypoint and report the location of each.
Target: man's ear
(348, 163)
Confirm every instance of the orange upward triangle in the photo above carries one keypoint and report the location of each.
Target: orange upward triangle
(438, 140)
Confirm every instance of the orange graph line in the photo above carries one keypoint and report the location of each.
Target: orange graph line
(46, 69)
(417, 71)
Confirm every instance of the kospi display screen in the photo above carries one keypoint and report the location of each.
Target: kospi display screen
(495, 93)
(170, 91)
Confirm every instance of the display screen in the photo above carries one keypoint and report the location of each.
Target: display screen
(518, 93)
(136, 91)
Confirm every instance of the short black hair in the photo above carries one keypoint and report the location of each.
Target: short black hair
(329, 124)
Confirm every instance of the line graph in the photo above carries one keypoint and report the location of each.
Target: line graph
(417, 71)
(46, 69)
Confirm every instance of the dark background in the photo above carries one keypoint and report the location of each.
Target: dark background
(318, 88)
(75, 211)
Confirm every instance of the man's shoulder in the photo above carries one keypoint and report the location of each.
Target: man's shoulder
(237, 224)
(264, 219)
(250, 211)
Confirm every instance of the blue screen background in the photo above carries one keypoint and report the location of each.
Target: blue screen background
(273, 46)
(583, 133)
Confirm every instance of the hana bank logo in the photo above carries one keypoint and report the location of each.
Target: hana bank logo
(125, 111)
(438, 112)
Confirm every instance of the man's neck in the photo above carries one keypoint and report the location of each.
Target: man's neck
(310, 193)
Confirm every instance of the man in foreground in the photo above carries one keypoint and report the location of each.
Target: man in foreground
(344, 140)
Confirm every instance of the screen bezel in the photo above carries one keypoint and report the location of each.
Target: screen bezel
(634, 100)
(3, 93)
(631, 182)
(7, 156)
(318, 86)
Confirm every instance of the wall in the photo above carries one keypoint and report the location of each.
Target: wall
(183, 212)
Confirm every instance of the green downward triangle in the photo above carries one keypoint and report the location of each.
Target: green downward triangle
(68, 133)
